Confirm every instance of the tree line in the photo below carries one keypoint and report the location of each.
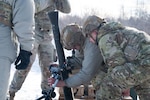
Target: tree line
(140, 21)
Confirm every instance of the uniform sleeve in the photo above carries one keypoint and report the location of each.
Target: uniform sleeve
(23, 21)
(111, 51)
(78, 59)
(90, 65)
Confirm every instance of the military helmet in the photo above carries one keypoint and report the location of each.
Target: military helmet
(92, 22)
(72, 35)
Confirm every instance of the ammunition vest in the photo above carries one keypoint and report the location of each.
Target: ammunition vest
(5, 13)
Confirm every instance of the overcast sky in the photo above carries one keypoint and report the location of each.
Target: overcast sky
(106, 7)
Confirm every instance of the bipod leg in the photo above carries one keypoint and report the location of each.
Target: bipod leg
(48, 98)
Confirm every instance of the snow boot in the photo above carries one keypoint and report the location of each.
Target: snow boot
(127, 98)
(11, 95)
(126, 95)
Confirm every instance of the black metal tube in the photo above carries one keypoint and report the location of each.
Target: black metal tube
(53, 16)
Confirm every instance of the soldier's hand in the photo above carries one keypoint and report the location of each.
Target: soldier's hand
(70, 62)
(23, 60)
(73, 62)
(60, 83)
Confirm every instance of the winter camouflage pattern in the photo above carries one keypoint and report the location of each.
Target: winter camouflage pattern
(46, 54)
(126, 51)
(22, 26)
(42, 46)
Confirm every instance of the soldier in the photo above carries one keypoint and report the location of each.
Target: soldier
(75, 61)
(13, 22)
(126, 52)
(92, 61)
(43, 43)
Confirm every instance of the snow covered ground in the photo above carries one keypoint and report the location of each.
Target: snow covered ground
(31, 88)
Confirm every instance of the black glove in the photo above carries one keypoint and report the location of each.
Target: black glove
(23, 60)
(70, 62)
(73, 62)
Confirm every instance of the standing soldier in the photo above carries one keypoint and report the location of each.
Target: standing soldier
(13, 22)
(43, 43)
(126, 52)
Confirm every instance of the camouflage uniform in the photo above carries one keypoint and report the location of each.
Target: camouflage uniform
(126, 52)
(71, 36)
(43, 43)
(90, 62)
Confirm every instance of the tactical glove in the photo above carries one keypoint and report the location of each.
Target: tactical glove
(23, 60)
(73, 62)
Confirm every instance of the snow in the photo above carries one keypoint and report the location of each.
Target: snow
(31, 89)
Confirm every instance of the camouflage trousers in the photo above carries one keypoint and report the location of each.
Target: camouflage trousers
(123, 77)
(46, 54)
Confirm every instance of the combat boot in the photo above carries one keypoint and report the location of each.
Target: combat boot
(11, 95)
(126, 95)
(127, 98)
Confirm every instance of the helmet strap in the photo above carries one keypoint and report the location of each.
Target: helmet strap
(96, 42)
(100, 25)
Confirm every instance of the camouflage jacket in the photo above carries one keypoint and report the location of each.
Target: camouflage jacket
(42, 7)
(91, 65)
(119, 44)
